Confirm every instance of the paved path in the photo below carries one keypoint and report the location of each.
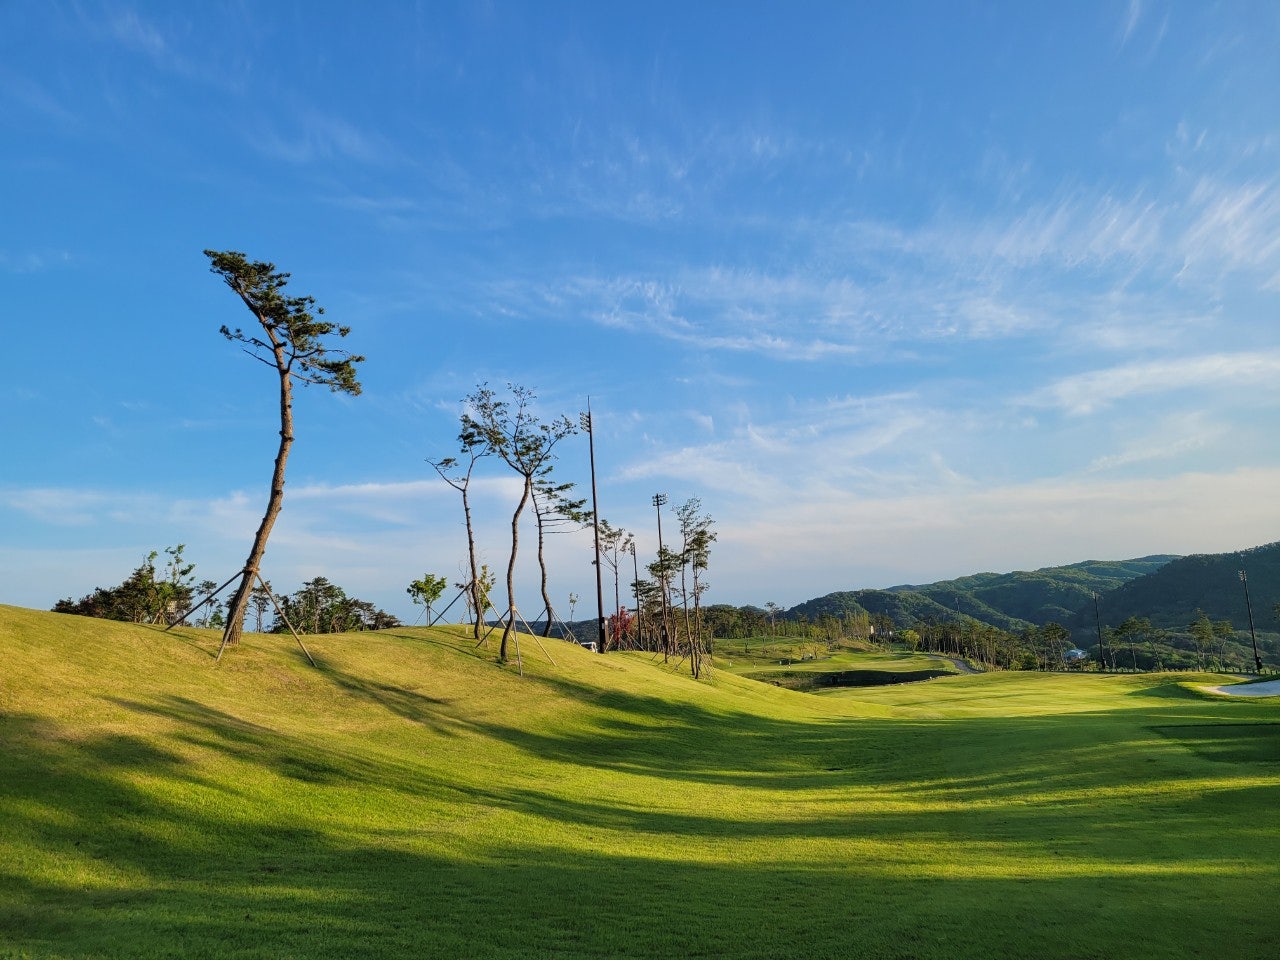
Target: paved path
(1270, 688)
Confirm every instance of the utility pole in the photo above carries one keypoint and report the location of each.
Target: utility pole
(635, 566)
(595, 523)
(658, 500)
(1097, 619)
(1257, 660)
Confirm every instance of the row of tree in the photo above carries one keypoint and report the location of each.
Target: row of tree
(292, 338)
(1133, 645)
(165, 594)
(506, 429)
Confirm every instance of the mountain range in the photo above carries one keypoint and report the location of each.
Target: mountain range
(1167, 589)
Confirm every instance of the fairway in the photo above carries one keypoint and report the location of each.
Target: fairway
(411, 798)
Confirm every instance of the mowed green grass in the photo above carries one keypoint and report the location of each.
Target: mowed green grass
(414, 799)
(765, 659)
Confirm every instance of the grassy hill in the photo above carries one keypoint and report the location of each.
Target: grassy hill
(1010, 601)
(411, 798)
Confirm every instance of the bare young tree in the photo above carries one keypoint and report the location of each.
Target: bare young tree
(296, 345)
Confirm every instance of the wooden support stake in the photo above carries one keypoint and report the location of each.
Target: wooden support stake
(268, 592)
(536, 638)
(203, 602)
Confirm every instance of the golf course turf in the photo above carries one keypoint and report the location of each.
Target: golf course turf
(412, 798)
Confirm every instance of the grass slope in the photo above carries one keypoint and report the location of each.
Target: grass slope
(412, 799)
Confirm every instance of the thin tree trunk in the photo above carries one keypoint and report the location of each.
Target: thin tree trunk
(697, 614)
(542, 568)
(684, 605)
(240, 602)
(511, 570)
(471, 556)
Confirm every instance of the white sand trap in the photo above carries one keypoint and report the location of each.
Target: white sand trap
(1270, 688)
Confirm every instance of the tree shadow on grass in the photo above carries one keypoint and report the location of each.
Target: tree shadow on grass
(105, 858)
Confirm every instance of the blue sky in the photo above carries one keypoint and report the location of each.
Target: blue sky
(901, 291)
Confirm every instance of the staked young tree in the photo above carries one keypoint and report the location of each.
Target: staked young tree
(700, 540)
(695, 539)
(525, 444)
(426, 591)
(297, 346)
(553, 508)
(615, 543)
(663, 570)
(457, 473)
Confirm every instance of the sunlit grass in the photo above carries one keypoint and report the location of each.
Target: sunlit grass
(412, 798)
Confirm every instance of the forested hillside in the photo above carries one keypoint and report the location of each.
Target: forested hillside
(903, 607)
(1010, 601)
(1172, 596)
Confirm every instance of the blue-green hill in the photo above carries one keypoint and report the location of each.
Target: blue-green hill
(1172, 595)
(1010, 601)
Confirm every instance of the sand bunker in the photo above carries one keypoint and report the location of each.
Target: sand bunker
(1270, 688)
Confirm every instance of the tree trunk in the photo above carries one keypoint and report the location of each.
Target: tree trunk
(471, 557)
(511, 569)
(542, 568)
(240, 601)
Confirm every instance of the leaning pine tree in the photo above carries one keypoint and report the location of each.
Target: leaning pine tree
(293, 342)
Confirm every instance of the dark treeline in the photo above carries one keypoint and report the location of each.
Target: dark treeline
(163, 594)
(1134, 645)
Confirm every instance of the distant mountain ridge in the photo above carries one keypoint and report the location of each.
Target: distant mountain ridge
(1010, 601)
(1210, 582)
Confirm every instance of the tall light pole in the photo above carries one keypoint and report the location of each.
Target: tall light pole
(1257, 660)
(1097, 620)
(658, 500)
(595, 523)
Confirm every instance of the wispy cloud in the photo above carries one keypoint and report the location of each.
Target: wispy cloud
(1088, 392)
(1235, 227)
(63, 507)
(35, 97)
(30, 261)
(313, 136)
(1170, 439)
(1133, 17)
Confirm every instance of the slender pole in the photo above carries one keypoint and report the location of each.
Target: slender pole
(202, 603)
(1257, 660)
(658, 500)
(635, 566)
(283, 616)
(1097, 619)
(595, 523)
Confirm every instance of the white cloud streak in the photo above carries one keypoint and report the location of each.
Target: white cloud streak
(1089, 392)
